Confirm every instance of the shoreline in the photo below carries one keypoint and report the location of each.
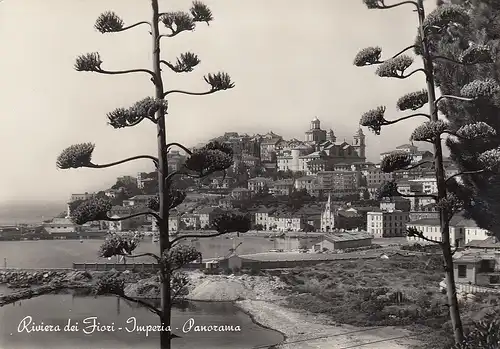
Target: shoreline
(257, 297)
(319, 332)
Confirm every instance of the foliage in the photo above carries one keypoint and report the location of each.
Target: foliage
(116, 245)
(395, 161)
(480, 89)
(476, 130)
(413, 100)
(75, 156)
(371, 293)
(180, 255)
(442, 16)
(476, 54)
(143, 109)
(232, 223)
(368, 56)
(374, 119)
(109, 283)
(387, 189)
(484, 334)
(429, 131)
(475, 123)
(90, 62)
(213, 157)
(394, 67)
(109, 22)
(93, 209)
(490, 159)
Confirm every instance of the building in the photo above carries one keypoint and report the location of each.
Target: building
(61, 226)
(222, 182)
(375, 177)
(305, 182)
(384, 224)
(315, 134)
(268, 147)
(328, 217)
(241, 194)
(395, 204)
(282, 187)
(425, 212)
(431, 229)
(415, 154)
(339, 183)
(258, 184)
(288, 222)
(491, 243)
(343, 240)
(477, 268)
(207, 216)
(138, 200)
(474, 233)
(349, 220)
(190, 221)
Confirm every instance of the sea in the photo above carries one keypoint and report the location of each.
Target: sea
(59, 309)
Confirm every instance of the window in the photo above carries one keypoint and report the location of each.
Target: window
(462, 271)
(495, 279)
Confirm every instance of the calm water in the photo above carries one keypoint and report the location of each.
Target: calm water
(57, 309)
(62, 253)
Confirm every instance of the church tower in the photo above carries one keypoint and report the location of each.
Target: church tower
(328, 217)
(359, 143)
(331, 136)
(315, 134)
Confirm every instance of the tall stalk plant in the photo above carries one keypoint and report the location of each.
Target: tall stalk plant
(213, 157)
(443, 19)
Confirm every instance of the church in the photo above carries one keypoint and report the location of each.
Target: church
(321, 151)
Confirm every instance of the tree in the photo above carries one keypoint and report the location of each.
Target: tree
(431, 27)
(484, 187)
(200, 163)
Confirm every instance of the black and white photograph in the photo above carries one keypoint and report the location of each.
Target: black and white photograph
(250, 174)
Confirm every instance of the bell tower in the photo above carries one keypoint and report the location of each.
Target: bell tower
(359, 143)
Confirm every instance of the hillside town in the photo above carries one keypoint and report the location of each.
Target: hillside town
(290, 187)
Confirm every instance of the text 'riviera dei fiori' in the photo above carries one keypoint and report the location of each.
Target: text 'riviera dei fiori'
(91, 325)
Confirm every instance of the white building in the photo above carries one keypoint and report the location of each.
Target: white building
(328, 217)
(461, 230)
(383, 224)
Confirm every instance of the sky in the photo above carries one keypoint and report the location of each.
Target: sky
(290, 61)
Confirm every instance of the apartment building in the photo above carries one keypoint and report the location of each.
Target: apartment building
(382, 224)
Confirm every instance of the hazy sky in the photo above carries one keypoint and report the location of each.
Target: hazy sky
(291, 60)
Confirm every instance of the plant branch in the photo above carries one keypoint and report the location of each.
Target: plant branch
(192, 236)
(133, 25)
(385, 7)
(190, 93)
(118, 72)
(423, 237)
(401, 52)
(154, 214)
(453, 97)
(189, 152)
(146, 254)
(387, 122)
(179, 290)
(417, 195)
(155, 160)
(465, 173)
(418, 165)
(402, 76)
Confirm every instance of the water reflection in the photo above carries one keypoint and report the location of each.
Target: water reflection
(61, 309)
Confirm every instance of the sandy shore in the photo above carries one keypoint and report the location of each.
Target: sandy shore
(306, 331)
(258, 297)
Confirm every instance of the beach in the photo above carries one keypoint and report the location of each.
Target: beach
(260, 298)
